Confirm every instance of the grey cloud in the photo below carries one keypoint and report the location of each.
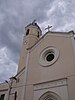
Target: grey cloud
(61, 15)
(16, 14)
(8, 67)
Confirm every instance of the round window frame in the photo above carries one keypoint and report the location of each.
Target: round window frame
(44, 53)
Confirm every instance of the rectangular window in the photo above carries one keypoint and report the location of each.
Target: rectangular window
(2, 96)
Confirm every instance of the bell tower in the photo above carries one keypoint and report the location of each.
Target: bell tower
(31, 36)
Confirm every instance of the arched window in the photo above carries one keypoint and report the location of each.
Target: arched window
(15, 96)
(50, 96)
(38, 35)
(27, 32)
(2, 96)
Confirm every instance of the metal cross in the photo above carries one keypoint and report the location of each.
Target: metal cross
(48, 28)
(34, 22)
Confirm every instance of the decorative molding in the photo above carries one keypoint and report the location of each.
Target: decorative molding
(50, 84)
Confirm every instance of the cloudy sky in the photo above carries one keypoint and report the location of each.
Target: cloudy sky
(16, 14)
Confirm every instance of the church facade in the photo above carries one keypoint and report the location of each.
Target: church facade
(46, 69)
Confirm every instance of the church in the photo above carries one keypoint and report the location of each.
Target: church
(46, 69)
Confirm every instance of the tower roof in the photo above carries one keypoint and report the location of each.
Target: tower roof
(33, 24)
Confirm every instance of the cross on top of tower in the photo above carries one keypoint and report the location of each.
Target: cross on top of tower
(34, 22)
(48, 28)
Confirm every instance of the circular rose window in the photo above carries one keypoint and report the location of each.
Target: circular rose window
(48, 56)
